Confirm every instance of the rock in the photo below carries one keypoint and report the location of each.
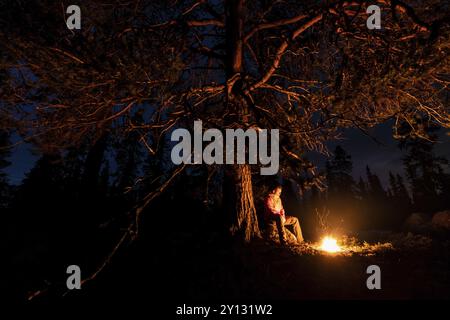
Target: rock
(441, 220)
(416, 222)
(411, 241)
(271, 234)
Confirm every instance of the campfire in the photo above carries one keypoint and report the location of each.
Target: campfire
(329, 244)
(348, 246)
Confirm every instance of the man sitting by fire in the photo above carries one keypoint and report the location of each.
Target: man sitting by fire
(275, 215)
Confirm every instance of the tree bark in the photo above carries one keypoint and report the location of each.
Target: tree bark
(244, 223)
(234, 36)
(238, 191)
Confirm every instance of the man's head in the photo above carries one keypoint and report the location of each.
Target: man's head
(276, 189)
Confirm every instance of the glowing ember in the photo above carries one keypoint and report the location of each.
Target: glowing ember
(329, 244)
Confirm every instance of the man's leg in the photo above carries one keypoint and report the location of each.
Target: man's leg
(281, 232)
(293, 221)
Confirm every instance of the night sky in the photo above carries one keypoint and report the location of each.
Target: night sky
(382, 157)
(22, 160)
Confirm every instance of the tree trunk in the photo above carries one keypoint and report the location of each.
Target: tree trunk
(238, 191)
(244, 223)
(234, 36)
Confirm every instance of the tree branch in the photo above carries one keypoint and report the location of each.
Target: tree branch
(274, 24)
(130, 233)
(205, 22)
(282, 49)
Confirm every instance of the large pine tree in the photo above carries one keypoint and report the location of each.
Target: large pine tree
(307, 68)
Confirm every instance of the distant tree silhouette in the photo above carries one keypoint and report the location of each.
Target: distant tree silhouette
(392, 186)
(4, 162)
(444, 187)
(424, 170)
(375, 188)
(339, 174)
(341, 196)
(378, 208)
(104, 179)
(399, 200)
(361, 188)
(42, 192)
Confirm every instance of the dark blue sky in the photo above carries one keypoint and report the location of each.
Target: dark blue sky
(364, 151)
(383, 157)
(22, 160)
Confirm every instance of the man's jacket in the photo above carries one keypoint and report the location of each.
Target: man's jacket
(273, 206)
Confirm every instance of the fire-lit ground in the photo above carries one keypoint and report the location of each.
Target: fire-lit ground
(334, 246)
(412, 266)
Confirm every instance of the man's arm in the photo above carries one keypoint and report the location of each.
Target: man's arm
(272, 207)
(282, 215)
